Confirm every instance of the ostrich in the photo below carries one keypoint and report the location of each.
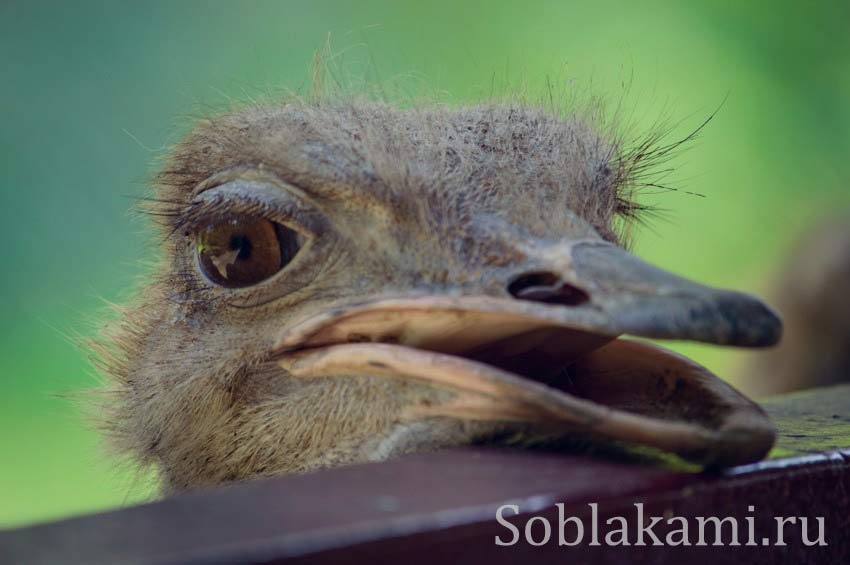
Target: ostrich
(344, 282)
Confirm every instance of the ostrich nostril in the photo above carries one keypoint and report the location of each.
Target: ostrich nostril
(547, 287)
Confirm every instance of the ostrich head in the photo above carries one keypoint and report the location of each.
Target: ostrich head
(345, 282)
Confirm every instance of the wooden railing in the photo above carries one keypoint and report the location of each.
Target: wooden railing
(442, 507)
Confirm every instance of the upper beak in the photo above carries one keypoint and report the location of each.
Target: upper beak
(643, 300)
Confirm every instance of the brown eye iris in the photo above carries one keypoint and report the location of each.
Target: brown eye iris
(245, 251)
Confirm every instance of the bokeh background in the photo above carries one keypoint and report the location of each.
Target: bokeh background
(91, 93)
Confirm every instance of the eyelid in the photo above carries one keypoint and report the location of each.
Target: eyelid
(254, 173)
(251, 197)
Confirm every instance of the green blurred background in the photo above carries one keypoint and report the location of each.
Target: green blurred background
(93, 91)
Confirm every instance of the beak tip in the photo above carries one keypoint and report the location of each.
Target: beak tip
(752, 323)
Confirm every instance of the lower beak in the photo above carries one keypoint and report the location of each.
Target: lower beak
(549, 357)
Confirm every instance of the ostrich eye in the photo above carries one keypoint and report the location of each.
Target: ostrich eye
(245, 251)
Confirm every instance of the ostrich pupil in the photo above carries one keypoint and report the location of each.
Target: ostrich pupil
(241, 243)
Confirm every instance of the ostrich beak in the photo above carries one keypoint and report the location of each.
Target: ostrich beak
(646, 301)
(550, 355)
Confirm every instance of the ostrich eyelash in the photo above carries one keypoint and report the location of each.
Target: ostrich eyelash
(211, 209)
